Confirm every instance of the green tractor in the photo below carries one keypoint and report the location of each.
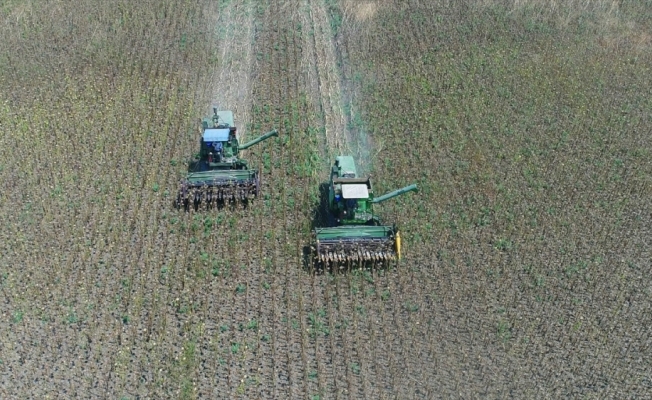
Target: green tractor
(216, 173)
(356, 233)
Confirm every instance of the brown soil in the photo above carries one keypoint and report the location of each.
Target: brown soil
(106, 290)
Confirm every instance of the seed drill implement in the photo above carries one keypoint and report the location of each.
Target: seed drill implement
(217, 173)
(356, 234)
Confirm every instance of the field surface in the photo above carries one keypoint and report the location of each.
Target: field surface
(526, 273)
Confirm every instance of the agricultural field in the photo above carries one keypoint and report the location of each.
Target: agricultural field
(527, 126)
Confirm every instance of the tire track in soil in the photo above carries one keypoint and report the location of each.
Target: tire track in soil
(231, 37)
(335, 78)
(234, 41)
(401, 339)
(289, 364)
(323, 80)
(322, 345)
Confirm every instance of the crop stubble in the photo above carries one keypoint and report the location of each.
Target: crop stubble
(509, 302)
(110, 292)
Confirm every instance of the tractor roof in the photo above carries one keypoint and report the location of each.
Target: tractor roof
(355, 191)
(216, 135)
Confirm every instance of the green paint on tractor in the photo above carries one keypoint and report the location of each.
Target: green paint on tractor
(218, 173)
(356, 233)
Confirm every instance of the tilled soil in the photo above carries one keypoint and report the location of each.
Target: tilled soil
(231, 39)
(109, 291)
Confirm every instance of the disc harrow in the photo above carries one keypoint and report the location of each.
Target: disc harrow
(356, 250)
(217, 191)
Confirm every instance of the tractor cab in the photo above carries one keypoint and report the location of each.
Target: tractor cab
(351, 198)
(218, 145)
(350, 195)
